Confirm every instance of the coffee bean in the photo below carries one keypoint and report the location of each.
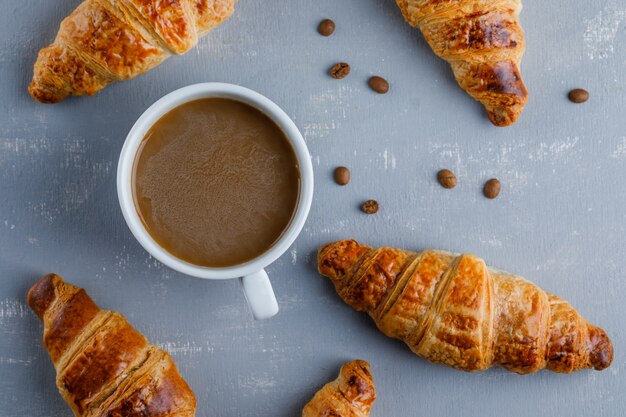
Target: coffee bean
(342, 175)
(326, 27)
(492, 188)
(446, 178)
(370, 207)
(340, 70)
(378, 84)
(578, 95)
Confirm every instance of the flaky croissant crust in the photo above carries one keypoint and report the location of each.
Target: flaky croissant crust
(483, 41)
(454, 310)
(105, 368)
(351, 394)
(109, 40)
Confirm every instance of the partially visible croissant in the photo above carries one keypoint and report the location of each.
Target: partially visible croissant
(105, 368)
(109, 40)
(454, 310)
(483, 41)
(350, 395)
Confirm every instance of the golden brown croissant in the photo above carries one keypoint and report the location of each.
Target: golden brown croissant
(454, 310)
(483, 41)
(109, 40)
(350, 395)
(105, 368)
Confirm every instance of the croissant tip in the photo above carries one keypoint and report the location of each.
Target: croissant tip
(328, 254)
(339, 244)
(502, 117)
(42, 293)
(359, 363)
(601, 354)
(360, 382)
(43, 95)
(364, 366)
(358, 371)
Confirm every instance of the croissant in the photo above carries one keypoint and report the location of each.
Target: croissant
(483, 41)
(350, 395)
(105, 368)
(454, 310)
(109, 40)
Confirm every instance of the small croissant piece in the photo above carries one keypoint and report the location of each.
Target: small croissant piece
(454, 310)
(483, 41)
(109, 40)
(350, 395)
(105, 368)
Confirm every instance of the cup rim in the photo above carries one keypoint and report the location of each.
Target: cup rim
(175, 99)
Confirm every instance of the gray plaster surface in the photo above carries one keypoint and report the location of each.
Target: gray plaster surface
(560, 220)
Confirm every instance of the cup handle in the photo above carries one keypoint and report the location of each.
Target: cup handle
(260, 295)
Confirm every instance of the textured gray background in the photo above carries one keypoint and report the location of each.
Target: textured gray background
(560, 220)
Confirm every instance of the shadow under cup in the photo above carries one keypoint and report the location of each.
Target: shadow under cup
(216, 182)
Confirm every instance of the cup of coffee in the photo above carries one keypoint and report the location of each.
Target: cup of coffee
(216, 182)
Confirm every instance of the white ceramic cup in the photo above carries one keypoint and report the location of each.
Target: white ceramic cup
(256, 284)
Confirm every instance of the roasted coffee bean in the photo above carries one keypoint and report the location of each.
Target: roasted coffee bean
(326, 27)
(378, 84)
(370, 207)
(342, 175)
(578, 95)
(492, 188)
(340, 70)
(446, 178)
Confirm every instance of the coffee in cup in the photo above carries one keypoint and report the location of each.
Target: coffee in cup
(215, 182)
